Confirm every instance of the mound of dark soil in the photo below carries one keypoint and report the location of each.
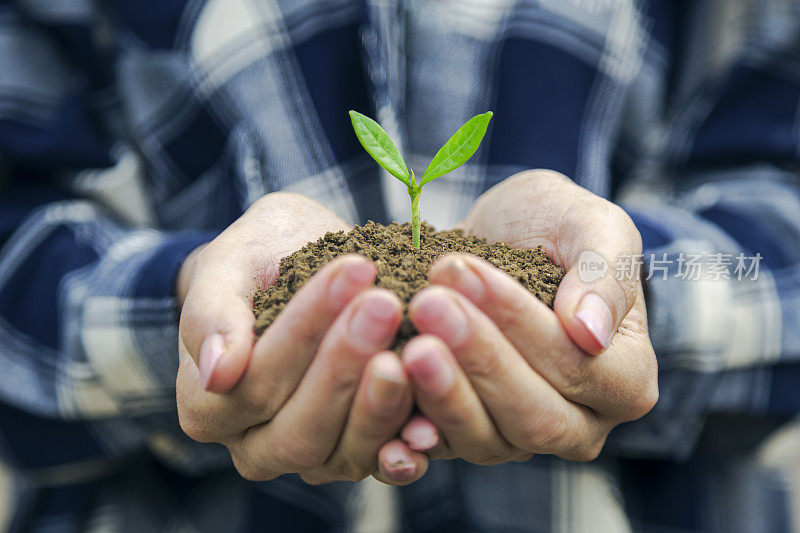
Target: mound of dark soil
(402, 269)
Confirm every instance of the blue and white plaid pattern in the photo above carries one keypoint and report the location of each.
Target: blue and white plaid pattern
(132, 131)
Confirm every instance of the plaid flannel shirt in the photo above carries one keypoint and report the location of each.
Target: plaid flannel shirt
(132, 131)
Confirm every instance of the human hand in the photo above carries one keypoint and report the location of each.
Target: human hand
(295, 401)
(500, 374)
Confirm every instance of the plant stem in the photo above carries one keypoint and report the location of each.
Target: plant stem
(415, 194)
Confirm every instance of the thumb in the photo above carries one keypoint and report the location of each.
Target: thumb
(598, 291)
(216, 324)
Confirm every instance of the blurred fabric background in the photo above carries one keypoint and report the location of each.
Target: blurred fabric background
(751, 94)
(5, 492)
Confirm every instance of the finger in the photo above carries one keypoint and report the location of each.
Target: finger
(286, 348)
(216, 316)
(420, 434)
(216, 321)
(573, 221)
(277, 363)
(445, 396)
(440, 452)
(400, 465)
(381, 405)
(528, 411)
(594, 298)
(619, 384)
(306, 430)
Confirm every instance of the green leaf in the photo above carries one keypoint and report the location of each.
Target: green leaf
(379, 145)
(458, 149)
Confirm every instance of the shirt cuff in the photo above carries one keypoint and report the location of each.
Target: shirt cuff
(687, 330)
(158, 274)
(129, 326)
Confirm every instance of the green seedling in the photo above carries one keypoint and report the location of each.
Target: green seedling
(455, 152)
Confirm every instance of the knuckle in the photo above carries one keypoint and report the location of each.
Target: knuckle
(630, 229)
(278, 198)
(288, 196)
(573, 373)
(541, 174)
(544, 433)
(629, 290)
(645, 395)
(342, 381)
(261, 399)
(207, 253)
(195, 426)
(348, 471)
(645, 401)
(588, 452)
(483, 362)
(194, 430)
(296, 455)
(451, 415)
(493, 455)
(452, 411)
(314, 478)
(510, 314)
(190, 322)
(305, 213)
(636, 237)
(249, 473)
(373, 427)
(625, 228)
(249, 470)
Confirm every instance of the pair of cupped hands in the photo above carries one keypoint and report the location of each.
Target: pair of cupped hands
(495, 374)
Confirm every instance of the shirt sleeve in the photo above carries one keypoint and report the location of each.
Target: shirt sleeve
(88, 318)
(723, 294)
(88, 326)
(716, 198)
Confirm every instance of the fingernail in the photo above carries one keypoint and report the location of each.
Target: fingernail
(385, 389)
(436, 312)
(371, 325)
(421, 436)
(426, 364)
(210, 355)
(349, 279)
(400, 465)
(596, 316)
(465, 280)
